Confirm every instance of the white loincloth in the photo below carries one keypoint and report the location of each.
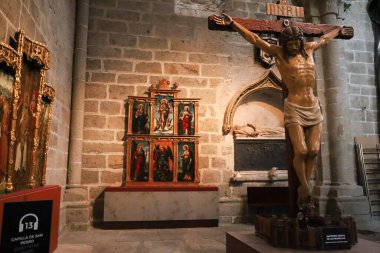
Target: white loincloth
(301, 115)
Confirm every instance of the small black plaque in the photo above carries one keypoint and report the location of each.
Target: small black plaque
(335, 239)
(26, 227)
(259, 154)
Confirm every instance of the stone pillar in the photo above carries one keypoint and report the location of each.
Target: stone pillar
(75, 197)
(340, 191)
(78, 94)
(337, 108)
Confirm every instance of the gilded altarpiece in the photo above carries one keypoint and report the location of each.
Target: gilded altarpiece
(25, 111)
(162, 138)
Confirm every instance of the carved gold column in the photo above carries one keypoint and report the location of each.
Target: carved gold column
(175, 163)
(176, 103)
(130, 112)
(127, 178)
(196, 157)
(151, 148)
(49, 94)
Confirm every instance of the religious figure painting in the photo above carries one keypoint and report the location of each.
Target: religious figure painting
(44, 116)
(186, 119)
(140, 117)
(162, 138)
(26, 111)
(140, 161)
(186, 161)
(163, 115)
(6, 100)
(163, 163)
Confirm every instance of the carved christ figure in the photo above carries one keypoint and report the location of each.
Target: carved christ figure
(302, 111)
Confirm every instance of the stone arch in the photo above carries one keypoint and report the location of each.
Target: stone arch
(269, 80)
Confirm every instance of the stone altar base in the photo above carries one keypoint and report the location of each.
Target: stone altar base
(160, 207)
(248, 242)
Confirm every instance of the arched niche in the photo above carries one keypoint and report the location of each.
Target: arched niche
(258, 104)
(267, 85)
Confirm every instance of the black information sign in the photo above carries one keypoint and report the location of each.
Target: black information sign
(335, 238)
(251, 154)
(26, 227)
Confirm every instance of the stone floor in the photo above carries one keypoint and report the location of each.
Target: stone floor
(180, 240)
(370, 231)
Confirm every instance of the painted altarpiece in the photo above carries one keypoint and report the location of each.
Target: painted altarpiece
(162, 138)
(25, 111)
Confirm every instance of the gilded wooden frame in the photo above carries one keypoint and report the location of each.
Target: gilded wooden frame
(31, 97)
(193, 143)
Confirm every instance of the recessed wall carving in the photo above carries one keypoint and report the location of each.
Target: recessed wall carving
(255, 118)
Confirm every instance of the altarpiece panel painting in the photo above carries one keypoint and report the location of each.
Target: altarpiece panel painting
(186, 161)
(163, 161)
(140, 151)
(162, 138)
(186, 114)
(163, 115)
(141, 119)
(6, 100)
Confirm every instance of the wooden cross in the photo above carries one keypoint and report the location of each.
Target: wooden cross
(284, 10)
(276, 26)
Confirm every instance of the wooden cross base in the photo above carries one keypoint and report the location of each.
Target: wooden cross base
(320, 233)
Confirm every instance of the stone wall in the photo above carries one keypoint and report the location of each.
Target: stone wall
(359, 58)
(132, 44)
(51, 23)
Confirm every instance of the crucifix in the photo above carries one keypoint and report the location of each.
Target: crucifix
(295, 62)
(284, 11)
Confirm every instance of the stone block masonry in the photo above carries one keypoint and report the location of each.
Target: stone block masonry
(133, 43)
(361, 77)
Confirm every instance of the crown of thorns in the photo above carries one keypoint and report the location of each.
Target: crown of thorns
(291, 33)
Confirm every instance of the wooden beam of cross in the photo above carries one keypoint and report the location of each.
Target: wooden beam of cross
(276, 26)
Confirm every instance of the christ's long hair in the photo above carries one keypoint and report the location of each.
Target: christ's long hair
(292, 33)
